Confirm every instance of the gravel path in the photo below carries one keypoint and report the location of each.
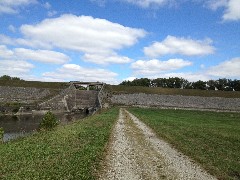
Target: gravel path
(136, 153)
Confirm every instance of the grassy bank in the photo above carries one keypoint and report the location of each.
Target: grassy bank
(212, 139)
(119, 89)
(68, 152)
(36, 84)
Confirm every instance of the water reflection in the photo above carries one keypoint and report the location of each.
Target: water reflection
(18, 126)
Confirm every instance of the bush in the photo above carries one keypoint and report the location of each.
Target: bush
(49, 121)
(1, 134)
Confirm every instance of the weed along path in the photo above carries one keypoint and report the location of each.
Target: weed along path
(136, 153)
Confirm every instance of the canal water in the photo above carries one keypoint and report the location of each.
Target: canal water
(23, 125)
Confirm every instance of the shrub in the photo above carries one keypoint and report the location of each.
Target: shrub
(49, 121)
(1, 134)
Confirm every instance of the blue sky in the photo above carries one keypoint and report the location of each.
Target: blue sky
(116, 40)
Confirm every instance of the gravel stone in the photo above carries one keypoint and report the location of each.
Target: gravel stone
(135, 152)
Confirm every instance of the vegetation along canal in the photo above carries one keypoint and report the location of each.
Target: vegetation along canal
(22, 125)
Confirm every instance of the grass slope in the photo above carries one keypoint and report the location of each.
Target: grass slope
(68, 152)
(212, 139)
(120, 89)
(36, 84)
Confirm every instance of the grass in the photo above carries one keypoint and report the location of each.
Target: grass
(36, 84)
(68, 152)
(120, 89)
(212, 139)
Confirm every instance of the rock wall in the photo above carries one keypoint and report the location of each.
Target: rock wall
(104, 97)
(22, 94)
(176, 101)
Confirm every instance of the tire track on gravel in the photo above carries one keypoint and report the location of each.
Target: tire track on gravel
(136, 153)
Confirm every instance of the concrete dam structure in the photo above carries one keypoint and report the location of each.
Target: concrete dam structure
(72, 99)
(78, 96)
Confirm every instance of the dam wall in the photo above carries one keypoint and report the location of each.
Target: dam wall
(71, 99)
(176, 101)
(22, 94)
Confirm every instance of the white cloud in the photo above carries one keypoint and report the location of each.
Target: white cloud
(15, 68)
(97, 39)
(106, 59)
(47, 5)
(5, 52)
(51, 13)
(176, 45)
(72, 71)
(44, 56)
(232, 12)
(13, 6)
(226, 69)
(232, 8)
(215, 4)
(85, 34)
(153, 67)
(12, 28)
(6, 40)
(129, 79)
(148, 3)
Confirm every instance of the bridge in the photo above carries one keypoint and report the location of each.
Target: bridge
(97, 85)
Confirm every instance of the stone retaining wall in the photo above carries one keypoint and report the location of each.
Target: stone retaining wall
(176, 101)
(22, 94)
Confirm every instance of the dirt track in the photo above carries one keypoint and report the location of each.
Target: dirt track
(136, 153)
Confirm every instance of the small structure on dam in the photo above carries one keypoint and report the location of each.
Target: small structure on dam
(79, 96)
(95, 85)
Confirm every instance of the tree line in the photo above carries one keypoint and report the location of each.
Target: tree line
(9, 78)
(176, 82)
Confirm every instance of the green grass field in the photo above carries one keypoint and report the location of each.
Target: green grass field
(212, 139)
(68, 152)
(119, 89)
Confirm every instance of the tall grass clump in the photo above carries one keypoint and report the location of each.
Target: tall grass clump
(1, 135)
(49, 121)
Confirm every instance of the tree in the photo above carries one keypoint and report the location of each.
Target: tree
(211, 85)
(126, 83)
(221, 84)
(9, 78)
(141, 82)
(176, 82)
(199, 85)
(236, 85)
(5, 78)
(159, 82)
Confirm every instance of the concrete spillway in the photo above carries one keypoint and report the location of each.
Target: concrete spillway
(72, 99)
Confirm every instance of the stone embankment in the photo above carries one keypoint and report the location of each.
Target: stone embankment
(22, 94)
(176, 101)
